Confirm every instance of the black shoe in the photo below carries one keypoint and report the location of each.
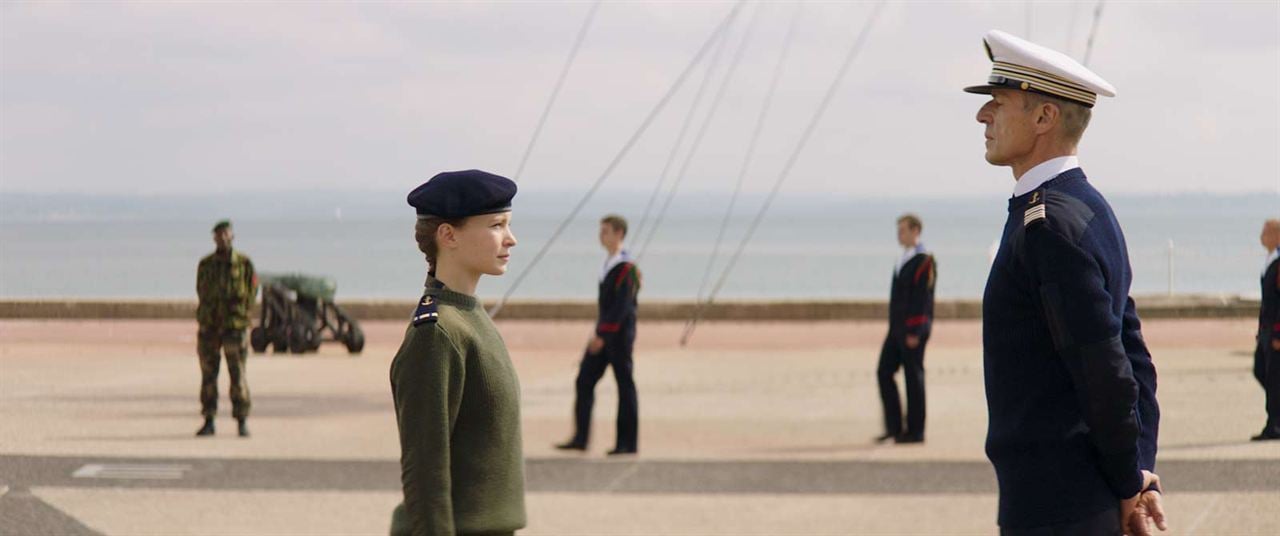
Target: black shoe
(1268, 434)
(906, 439)
(886, 437)
(571, 445)
(622, 452)
(207, 429)
(244, 428)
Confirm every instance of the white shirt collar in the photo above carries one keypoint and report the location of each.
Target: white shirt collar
(1275, 254)
(613, 261)
(1044, 172)
(908, 254)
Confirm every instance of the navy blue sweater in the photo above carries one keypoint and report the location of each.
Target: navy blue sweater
(616, 323)
(911, 297)
(1269, 313)
(1070, 384)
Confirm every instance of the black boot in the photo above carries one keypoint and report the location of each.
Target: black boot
(1268, 434)
(572, 445)
(244, 428)
(909, 438)
(207, 429)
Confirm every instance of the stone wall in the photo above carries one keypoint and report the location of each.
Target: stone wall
(764, 310)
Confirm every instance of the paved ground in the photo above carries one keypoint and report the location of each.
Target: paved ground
(753, 429)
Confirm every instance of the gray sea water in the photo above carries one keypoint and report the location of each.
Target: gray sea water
(808, 246)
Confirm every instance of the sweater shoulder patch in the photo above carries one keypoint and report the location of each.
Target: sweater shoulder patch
(1065, 213)
(427, 311)
(1036, 212)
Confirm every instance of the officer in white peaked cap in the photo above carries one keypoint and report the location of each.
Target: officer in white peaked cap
(1071, 388)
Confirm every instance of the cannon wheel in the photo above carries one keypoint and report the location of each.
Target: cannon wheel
(354, 340)
(258, 339)
(280, 341)
(301, 338)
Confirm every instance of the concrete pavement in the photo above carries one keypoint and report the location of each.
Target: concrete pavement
(753, 429)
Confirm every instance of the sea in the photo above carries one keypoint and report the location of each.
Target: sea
(806, 247)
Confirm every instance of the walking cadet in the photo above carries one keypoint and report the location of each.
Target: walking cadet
(611, 344)
(910, 322)
(1266, 357)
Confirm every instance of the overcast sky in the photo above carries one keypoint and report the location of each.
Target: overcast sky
(203, 97)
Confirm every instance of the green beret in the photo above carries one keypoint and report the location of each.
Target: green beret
(222, 224)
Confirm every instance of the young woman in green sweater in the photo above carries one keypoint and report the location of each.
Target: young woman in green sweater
(456, 394)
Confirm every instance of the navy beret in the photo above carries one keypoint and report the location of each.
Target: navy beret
(458, 194)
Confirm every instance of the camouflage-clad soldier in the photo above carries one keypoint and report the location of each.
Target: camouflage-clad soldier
(227, 287)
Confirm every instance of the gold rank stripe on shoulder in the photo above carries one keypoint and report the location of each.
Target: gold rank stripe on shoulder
(1033, 215)
(425, 316)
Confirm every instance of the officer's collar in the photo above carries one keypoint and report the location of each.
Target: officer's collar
(1034, 196)
(1042, 173)
(457, 299)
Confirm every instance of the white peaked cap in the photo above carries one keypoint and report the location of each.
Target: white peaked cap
(1021, 64)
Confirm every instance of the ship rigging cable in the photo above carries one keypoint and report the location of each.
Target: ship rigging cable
(702, 131)
(684, 130)
(1093, 32)
(852, 54)
(644, 125)
(751, 149)
(555, 92)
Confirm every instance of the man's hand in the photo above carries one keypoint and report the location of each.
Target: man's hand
(1275, 344)
(596, 345)
(1138, 513)
(1148, 511)
(913, 341)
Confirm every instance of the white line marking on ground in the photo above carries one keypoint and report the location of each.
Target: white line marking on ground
(617, 482)
(122, 471)
(1204, 514)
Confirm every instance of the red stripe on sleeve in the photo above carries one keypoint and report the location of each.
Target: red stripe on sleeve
(626, 268)
(918, 320)
(924, 266)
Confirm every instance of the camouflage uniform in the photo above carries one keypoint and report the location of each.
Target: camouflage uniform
(227, 287)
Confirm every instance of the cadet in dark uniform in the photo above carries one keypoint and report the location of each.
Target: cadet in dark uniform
(226, 286)
(1071, 388)
(611, 344)
(456, 394)
(910, 322)
(1266, 358)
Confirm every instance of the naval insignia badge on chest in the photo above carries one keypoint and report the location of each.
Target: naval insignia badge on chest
(426, 312)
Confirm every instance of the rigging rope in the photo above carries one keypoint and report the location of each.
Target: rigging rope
(684, 130)
(1093, 32)
(854, 49)
(1071, 29)
(702, 131)
(644, 125)
(555, 93)
(751, 150)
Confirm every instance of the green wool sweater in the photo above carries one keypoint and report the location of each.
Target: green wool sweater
(457, 404)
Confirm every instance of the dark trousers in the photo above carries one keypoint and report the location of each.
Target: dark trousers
(617, 356)
(893, 355)
(1104, 524)
(1266, 369)
(210, 345)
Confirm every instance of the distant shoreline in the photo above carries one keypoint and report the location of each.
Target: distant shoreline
(766, 310)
